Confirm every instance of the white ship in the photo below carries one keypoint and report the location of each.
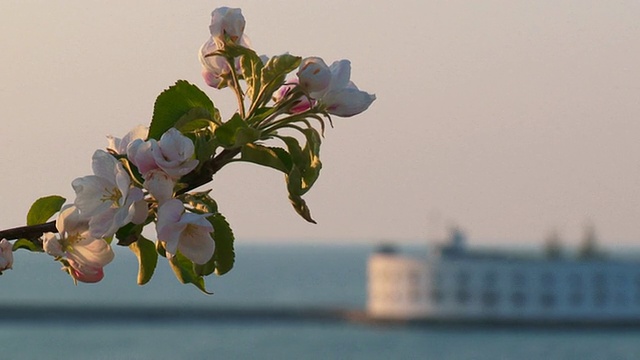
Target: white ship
(456, 284)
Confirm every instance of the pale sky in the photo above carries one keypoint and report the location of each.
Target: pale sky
(507, 118)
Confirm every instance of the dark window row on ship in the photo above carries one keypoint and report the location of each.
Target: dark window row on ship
(597, 289)
(518, 299)
(573, 280)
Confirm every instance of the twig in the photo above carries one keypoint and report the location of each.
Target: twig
(32, 232)
(205, 175)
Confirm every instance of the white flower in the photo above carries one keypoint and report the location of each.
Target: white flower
(216, 71)
(348, 101)
(314, 75)
(226, 22)
(6, 255)
(85, 254)
(214, 68)
(342, 97)
(186, 232)
(139, 154)
(119, 146)
(173, 153)
(159, 184)
(108, 199)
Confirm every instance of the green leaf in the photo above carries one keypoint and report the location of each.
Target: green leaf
(174, 103)
(264, 156)
(298, 156)
(311, 174)
(303, 167)
(206, 146)
(312, 148)
(236, 132)
(226, 133)
(26, 244)
(296, 190)
(44, 208)
(129, 234)
(195, 119)
(196, 125)
(160, 249)
(294, 181)
(201, 202)
(235, 50)
(306, 166)
(224, 255)
(205, 269)
(275, 72)
(284, 156)
(147, 255)
(301, 208)
(183, 268)
(260, 114)
(251, 65)
(313, 141)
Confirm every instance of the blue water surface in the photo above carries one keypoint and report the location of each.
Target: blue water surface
(265, 275)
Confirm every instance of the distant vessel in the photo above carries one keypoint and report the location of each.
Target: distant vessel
(456, 284)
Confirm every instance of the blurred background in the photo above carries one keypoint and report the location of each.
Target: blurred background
(510, 119)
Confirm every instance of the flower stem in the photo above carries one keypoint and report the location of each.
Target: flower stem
(29, 232)
(236, 87)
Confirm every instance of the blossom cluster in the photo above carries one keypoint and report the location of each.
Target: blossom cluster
(110, 199)
(149, 175)
(327, 88)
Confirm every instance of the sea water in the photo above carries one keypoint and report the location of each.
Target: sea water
(278, 276)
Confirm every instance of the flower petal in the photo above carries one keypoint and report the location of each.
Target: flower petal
(340, 74)
(196, 244)
(226, 21)
(105, 223)
(51, 245)
(348, 101)
(159, 184)
(91, 252)
(87, 274)
(104, 165)
(168, 226)
(173, 153)
(119, 146)
(90, 194)
(139, 153)
(314, 75)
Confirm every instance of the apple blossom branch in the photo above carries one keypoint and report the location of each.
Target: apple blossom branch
(147, 176)
(34, 232)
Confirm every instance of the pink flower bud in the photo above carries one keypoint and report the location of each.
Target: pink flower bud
(6, 255)
(85, 274)
(301, 104)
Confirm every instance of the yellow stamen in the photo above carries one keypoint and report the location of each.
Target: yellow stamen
(114, 195)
